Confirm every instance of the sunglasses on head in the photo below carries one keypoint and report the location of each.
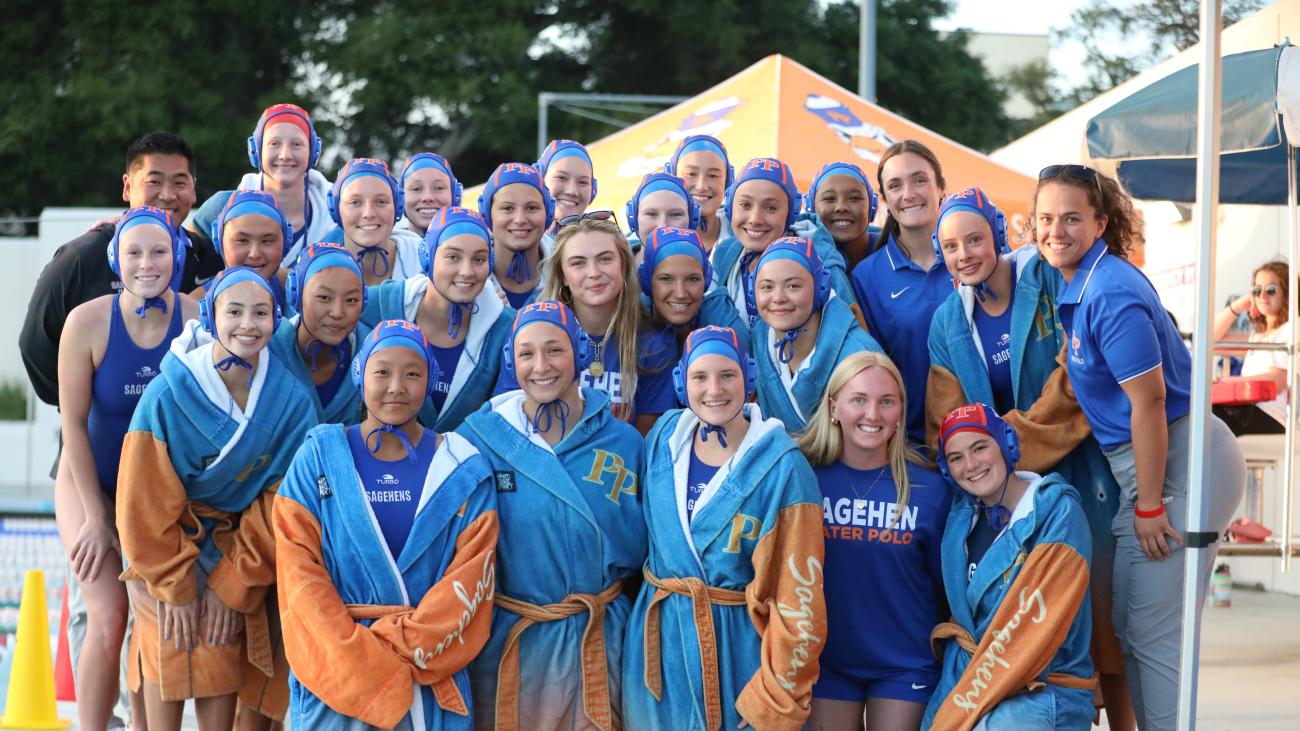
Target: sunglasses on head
(588, 216)
(1271, 290)
(1082, 172)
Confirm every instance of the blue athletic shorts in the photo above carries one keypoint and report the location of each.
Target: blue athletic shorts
(905, 685)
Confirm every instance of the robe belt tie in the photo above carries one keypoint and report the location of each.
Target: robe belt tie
(954, 631)
(595, 666)
(444, 691)
(703, 597)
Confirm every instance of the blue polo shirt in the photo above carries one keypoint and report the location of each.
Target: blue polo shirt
(1117, 330)
(898, 301)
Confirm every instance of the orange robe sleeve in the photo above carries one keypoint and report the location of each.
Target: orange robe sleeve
(1048, 430)
(247, 567)
(788, 609)
(1024, 635)
(340, 661)
(453, 620)
(151, 505)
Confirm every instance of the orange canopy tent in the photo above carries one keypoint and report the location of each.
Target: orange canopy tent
(779, 108)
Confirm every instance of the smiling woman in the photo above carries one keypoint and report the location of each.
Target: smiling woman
(900, 286)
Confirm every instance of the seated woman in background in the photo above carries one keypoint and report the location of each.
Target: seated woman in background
(1266, 308)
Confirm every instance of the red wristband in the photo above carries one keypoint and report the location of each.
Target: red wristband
(1149, 513)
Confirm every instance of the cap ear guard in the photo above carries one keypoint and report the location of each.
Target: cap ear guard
(671, 166)
(238, 196)
(583, 352)
(649, 260)
(179, 245)
(363, 354)
(793, 197)
(1003, 434)
(490, 190)
(634, 205)
(294, 283)
(370, 165)
(751, 381)
(255, 140)
(873, 200)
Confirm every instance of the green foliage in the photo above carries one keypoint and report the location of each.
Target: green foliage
(389, 77)
(1170, 26)
(94, 75)
(13, 401)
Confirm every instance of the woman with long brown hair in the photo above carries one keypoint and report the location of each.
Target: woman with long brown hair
(1132, 375)
(899, 287)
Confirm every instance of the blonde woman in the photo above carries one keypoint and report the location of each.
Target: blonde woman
(884, 517)
(591, 270)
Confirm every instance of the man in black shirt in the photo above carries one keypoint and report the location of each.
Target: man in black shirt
(160, 173)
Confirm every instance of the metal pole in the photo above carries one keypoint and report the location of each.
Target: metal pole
(867, 50)
(1288, 458)
(1209, 98)
(543, 128)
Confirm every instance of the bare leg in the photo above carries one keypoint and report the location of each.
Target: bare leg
(216, 713)
(1119, 706)
(887, 714)
(106, 607)
(247, 719)
(829, 715)
(163, 715)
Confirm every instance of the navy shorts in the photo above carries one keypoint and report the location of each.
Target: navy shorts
(905, 685)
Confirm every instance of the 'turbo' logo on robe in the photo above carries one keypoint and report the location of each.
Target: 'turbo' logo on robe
(610, 463)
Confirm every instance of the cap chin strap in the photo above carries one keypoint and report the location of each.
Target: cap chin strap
(982, 290)
(718, 429)
(997, 514)
(521, 270)
(379, 255)
(457, 316)
(377, 436)
(546, 414)
(225, 364)
(158, 302)
(314, 346)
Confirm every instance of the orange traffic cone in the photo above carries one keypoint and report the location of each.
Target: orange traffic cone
(65, 687)
(30, 703)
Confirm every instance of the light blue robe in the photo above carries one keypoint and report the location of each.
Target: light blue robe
(1036, 340)
(756, 530)
(323, 495)
(838, 337)
(345, 407)
(571, 523)
(1048, 514)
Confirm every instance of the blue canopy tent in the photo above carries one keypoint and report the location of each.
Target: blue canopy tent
(1223, 131)
(1153, 132)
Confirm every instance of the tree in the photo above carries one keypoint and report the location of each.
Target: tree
(1171, 26)
(93, 75)
(929, 78)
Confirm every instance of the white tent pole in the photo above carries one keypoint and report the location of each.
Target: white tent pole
(1209, 96)
(1288, 458)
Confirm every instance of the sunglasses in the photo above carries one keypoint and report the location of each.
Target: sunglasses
(1082, 172)
(1271, 290)
(588, 216)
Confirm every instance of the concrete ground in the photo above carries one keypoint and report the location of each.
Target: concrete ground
(1250, 665)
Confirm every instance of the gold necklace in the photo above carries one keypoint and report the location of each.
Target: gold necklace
(597, 366)
(863, 497)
